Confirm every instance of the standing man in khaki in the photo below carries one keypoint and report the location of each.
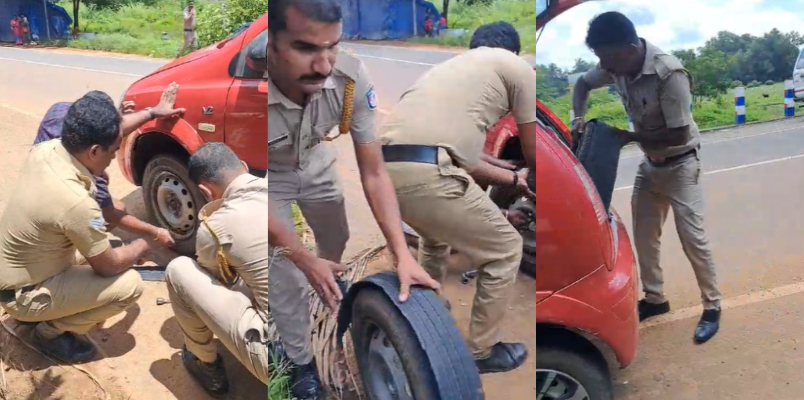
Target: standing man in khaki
(313, 88)
(655, 89)
(434, 173)
(247, 303)
(51, 214)
(190, 38)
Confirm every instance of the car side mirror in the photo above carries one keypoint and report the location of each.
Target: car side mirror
(257, 53)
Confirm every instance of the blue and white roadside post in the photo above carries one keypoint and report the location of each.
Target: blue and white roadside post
(789, 99)
(739, 105)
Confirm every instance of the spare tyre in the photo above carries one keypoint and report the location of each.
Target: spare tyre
(407, 351)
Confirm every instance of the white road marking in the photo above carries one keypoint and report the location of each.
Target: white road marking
(70, 67)
(734, 138)
(739, 167)
(395, 60)
(734, 302)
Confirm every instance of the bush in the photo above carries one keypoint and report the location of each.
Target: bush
(754, 84)
(769, 82)
(216, 22)
(736, 84)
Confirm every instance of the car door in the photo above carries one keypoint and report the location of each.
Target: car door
(247, 109)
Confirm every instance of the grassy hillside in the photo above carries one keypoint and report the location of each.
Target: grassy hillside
(520, 13)
(708, 113)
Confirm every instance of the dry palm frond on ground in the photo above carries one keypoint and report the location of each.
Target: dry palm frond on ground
(331, 356)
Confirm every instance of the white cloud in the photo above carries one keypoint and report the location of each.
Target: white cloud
(674, 20)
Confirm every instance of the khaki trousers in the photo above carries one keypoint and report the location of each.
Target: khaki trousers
(448, 209)
(77, 299)
(656, 191)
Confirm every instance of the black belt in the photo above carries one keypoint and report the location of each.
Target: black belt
(189, 30)
(410, 153)
(669, 160)
(9, 295)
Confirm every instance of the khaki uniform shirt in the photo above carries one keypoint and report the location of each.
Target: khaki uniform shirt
(240, 220)
(455, 103)
(51, 213)
(294, 131)
(659, 97)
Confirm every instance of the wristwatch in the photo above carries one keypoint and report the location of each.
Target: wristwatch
(150, 111)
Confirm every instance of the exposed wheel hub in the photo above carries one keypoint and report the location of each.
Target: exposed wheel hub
(175, 205)
(556, 385)
(387, 378)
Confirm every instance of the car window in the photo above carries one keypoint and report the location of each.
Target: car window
(800, 62)
(241, 67)
(541, 6)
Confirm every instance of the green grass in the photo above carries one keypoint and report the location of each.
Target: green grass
(708, 113)
(133, 28)
(520, 13)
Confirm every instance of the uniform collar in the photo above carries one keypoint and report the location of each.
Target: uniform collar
(651, 51)
(82, 172)
(276, 97)
(238, 183)
(235, 186)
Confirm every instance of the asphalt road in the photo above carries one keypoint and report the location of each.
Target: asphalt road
(752, 185)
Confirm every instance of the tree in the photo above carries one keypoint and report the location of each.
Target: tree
(446, 9)
(710, 72)
(581, 65)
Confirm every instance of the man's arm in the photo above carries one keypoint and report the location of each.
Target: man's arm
(83, 224)
(381, 196)
(129, 222)
(164, 109)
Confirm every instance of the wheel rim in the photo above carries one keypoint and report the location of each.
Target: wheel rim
(556, 385)
(175, 207)
(386, 374)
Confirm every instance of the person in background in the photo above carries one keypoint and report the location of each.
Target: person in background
(190, 38)
(16, 28)
(655, 88)
(114, 211)
(25, 27)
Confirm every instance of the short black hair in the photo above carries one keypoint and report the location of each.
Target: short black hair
(211, 162)
(611, 29)
(99, 95)
(90, 121)
(498, 34)
(319, 10)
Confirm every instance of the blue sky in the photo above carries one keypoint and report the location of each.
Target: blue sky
(669, 24)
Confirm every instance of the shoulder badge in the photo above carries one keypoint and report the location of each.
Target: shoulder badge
(97, 223)
(371, 98)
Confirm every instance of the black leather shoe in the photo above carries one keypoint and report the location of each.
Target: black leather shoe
(212, 377)
(305, 383)
(504, 357)
(65, 347)
(707, 326)
(647, 310)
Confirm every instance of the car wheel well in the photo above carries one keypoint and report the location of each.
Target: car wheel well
(151, 145)
(512, 150)
(556, 336)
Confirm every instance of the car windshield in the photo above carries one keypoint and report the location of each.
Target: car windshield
(541, 6)
(800, 62)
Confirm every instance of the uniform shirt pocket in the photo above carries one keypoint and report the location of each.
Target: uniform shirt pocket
(279, 139)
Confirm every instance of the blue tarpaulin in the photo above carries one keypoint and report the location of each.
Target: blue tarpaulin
(385, 19)
(58, 17)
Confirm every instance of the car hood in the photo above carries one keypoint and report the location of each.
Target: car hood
(198, 54)
(554, 9)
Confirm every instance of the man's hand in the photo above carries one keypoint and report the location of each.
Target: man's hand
(522, 183)
(515, 217)
(164, 238)
(321, 275)
(127, 107)
(578, 128)
(411, 273)
(165, 107)
(498, 162)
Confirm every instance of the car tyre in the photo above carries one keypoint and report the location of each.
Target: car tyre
(388, 349)
(571, 370)
(172, 200)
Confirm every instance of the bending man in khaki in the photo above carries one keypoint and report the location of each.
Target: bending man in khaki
(244, 305)
(655, 89)
(434, 172)
(51, 213)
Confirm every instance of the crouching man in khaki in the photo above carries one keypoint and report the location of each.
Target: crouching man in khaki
(52, 213)
(229, 292)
